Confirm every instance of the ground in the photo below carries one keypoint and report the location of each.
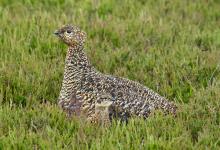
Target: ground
(172, 47)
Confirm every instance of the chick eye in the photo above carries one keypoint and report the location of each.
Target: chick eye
(68, 31)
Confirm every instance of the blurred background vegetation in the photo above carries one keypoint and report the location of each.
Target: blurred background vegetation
(173, 47)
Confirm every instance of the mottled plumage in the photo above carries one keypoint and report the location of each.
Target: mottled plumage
(87, 91)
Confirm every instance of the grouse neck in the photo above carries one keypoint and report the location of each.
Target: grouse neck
(76, 66)
(76, 56)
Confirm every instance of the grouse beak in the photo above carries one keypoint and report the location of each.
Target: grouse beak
(56, 32)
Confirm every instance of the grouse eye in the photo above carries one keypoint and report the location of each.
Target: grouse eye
(68, 31)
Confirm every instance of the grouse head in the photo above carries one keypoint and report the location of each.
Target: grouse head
(71, 35)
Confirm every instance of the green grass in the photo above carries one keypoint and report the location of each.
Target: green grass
(172, 47)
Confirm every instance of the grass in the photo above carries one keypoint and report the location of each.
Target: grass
(172, 47)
